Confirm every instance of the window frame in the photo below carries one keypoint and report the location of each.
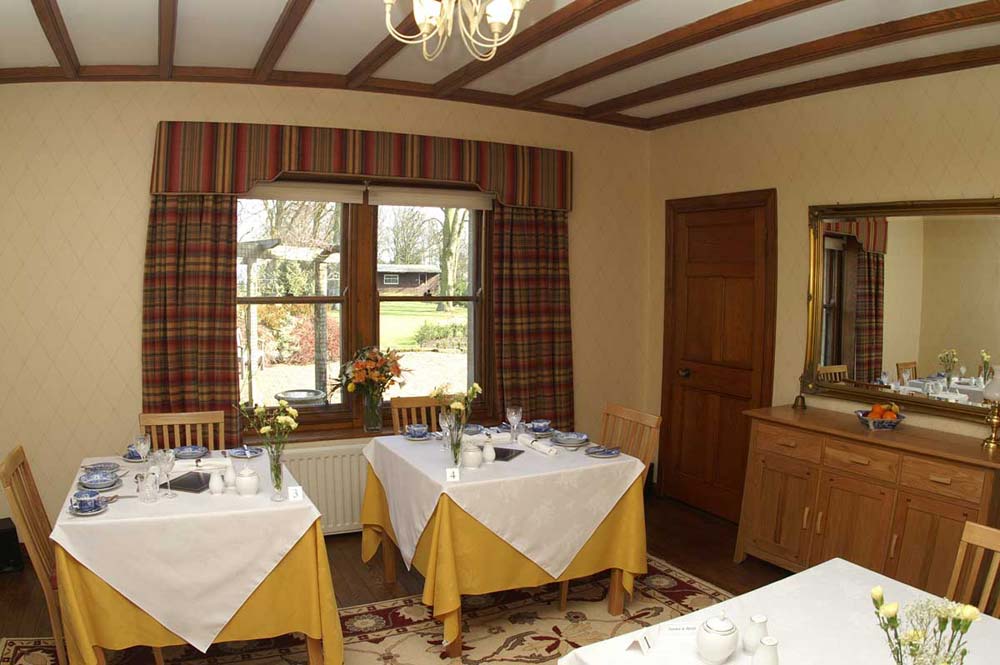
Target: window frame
(359, 300)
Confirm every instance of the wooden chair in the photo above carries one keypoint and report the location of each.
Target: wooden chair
(414, 410)
(903, 367)
(832, 373)
(638, 435)
(34, 528)
(171, 430)
(977, 540)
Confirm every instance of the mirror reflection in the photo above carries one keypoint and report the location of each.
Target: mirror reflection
(911, 305)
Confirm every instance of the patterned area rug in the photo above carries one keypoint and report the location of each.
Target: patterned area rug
(523, 626)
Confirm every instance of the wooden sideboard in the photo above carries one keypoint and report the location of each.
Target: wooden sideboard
(819, 485)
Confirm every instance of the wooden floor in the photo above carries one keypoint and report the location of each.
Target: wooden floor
(688, 538)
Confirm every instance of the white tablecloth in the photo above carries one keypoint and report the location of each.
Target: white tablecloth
(188, 562)
(822, 616)
(973, 393)
(545, 507)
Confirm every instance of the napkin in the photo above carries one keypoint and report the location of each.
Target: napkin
(207, 465)
(529, 441)
(482, 439)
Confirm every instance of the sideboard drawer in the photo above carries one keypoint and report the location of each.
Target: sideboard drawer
(861, 459)
(788, 441)
(944, 478)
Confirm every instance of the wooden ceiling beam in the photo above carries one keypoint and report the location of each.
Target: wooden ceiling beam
(555, 24)
(54, 27)
(287, 24)
(705, 29)
(385, 51)
(168, 37)
(964, 16)
(936, 64)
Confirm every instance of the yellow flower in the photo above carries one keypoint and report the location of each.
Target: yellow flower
(282, 402)
(476, 389)
(878, 595)
(457, 406)
(266, 429)
(889, 610)
(260, 410)
(293, 425)
(293, 412)
(970, 613)
(350, 387)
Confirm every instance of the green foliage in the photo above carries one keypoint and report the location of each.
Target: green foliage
(449, 335)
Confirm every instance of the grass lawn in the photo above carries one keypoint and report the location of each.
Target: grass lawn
(399, 322)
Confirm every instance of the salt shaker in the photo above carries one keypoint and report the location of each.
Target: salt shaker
(767, 652)
(229, 476)
(216, 485)
(489, 452)
(756, 631)
(718, 638)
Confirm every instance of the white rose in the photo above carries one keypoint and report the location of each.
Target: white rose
(889, 610)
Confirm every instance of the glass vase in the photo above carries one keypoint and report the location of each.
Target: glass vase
(455, 441)
(277, 477)
(372, 410)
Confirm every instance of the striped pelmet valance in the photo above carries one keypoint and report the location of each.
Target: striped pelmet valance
(230, 158)
(871, 232)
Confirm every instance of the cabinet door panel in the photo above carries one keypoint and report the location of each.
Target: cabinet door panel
(925, 537)
(782, 496)
(852, 521)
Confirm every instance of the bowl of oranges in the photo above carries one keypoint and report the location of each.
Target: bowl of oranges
(881, 416)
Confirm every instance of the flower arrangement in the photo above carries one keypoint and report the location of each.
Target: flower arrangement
(455, 412)
(987, 368)
(933, 632)
(274, 426)
(948, 359)
(370, 372)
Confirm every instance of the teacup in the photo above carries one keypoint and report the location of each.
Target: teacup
(540, 425)
(417, 431)
(86, 501)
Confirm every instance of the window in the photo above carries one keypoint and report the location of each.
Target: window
(309, 295)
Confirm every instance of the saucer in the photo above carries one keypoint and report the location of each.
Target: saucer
(190, 452)
(132, 460)
(89, 513)
(425, 437)
(113, 486)
(103, 466)
(97, 480)
(246, 453)
(601, 452)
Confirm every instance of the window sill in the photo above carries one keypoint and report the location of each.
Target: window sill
(316, 435)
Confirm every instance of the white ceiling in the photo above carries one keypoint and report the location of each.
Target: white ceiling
(336, 34)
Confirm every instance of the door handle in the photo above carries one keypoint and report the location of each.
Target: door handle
(819, 523)
(892, 546)
(684, 372)
(805, 518)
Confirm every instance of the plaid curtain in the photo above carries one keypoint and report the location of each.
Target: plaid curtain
(868, 317)
(189, 307)
(533, 347)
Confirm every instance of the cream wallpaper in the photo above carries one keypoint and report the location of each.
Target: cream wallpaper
(903, 296)
(927, 138)
(75, 161)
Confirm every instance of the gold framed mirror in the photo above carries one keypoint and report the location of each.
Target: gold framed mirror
(904, 301)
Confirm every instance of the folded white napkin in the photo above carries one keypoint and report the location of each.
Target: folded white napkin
(528, 441)
(482, 439)
(207, 465)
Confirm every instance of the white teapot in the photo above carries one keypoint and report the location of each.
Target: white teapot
(247, 482)
(718, 639)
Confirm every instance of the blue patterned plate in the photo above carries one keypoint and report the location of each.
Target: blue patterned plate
(190, 452)
(98, 480)
(601, 452)
(109, 488)
(246, 453)
(570, 438)
(103, 466)
(425, 437)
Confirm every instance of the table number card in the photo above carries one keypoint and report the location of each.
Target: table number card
(452, 475)
(295, 493)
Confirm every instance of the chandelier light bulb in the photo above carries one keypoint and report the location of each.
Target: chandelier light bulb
(499, 13)
(436, 18)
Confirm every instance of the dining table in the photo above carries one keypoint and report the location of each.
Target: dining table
(196, 569)
(533, 520)
(820, 616)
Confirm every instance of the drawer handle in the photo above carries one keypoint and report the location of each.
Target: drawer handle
(863, 461)
(788, 444)
(819, 523)
(805, 518)
(892, 546)
(940, 480)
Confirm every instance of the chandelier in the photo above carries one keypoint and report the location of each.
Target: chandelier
(435, 19)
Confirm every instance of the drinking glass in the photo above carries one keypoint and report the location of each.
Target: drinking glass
(446, 421)
(142, 445)
(146, 487)
(166, 466)
(514, 418)
(906, 377)
(884, 378)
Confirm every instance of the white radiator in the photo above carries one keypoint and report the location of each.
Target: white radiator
(333, 477)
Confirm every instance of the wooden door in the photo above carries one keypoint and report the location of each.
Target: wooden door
(780, 509)
(718, 343)
(925, 538)
(853, 517)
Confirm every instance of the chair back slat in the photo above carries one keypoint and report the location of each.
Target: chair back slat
(171, 430)
(970, 582)
(832, 373)
(635, 432)
(910, 366)
(413, 410)
(34, 527)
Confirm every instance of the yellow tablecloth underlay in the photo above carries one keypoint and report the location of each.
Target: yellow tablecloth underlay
(458, 556)
(297, 596)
